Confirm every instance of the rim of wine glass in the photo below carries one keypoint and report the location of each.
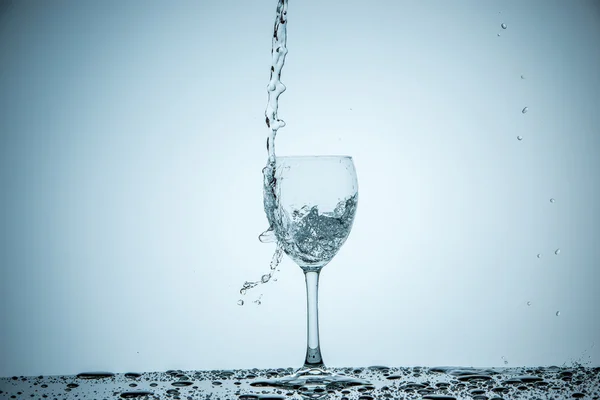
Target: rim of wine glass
(316, 156)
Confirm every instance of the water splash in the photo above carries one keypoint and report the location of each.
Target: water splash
(274, 89)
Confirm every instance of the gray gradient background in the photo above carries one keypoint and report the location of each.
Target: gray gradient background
(132, 140)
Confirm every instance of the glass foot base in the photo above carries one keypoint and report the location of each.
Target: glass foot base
(312, 382)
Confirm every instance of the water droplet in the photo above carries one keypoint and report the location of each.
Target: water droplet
(498, 34)
(528, 303)
(182, 383)
(95, 375)
(136, 395)
(242, 291)
(552, 200)
(519, 137)
(240, 302)
(539, 255)
(503, 26)
(557, 252)
(265, 278)
(258, 302)
(525, 109)
(267, 236)
(557, 313)
(522, 76)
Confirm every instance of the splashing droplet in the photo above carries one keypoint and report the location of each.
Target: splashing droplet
(552, 200)
(267, 236)
(557, 252)
(539, 255)
(519, 137)
(524, 110)
(503, 26)
(557, 313)
(240, 302)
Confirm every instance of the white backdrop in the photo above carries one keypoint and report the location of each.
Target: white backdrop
(132, 140)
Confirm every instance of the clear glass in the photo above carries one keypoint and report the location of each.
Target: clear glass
(312, 215)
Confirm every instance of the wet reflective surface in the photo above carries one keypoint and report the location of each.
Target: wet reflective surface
(386, 383)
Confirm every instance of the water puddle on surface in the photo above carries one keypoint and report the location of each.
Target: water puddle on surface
(387, 383)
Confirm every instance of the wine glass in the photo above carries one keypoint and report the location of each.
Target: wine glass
(310, 202)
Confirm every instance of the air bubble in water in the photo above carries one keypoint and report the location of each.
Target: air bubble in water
(539, 255)
(552, 200)
(519, 137)
(525, 109)
(557, 251)
(503, 26)
(240, 302)
(557, 313)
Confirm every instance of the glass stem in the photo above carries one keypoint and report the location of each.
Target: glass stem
(313, 350)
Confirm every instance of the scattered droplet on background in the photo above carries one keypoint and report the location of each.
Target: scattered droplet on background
(557, 313)
(503, 26)
(240, 302)
(539, 255)
(557, 252)
(552, 200)
(522, 76)
(528, 303)
(525, 109)
(519, 137)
